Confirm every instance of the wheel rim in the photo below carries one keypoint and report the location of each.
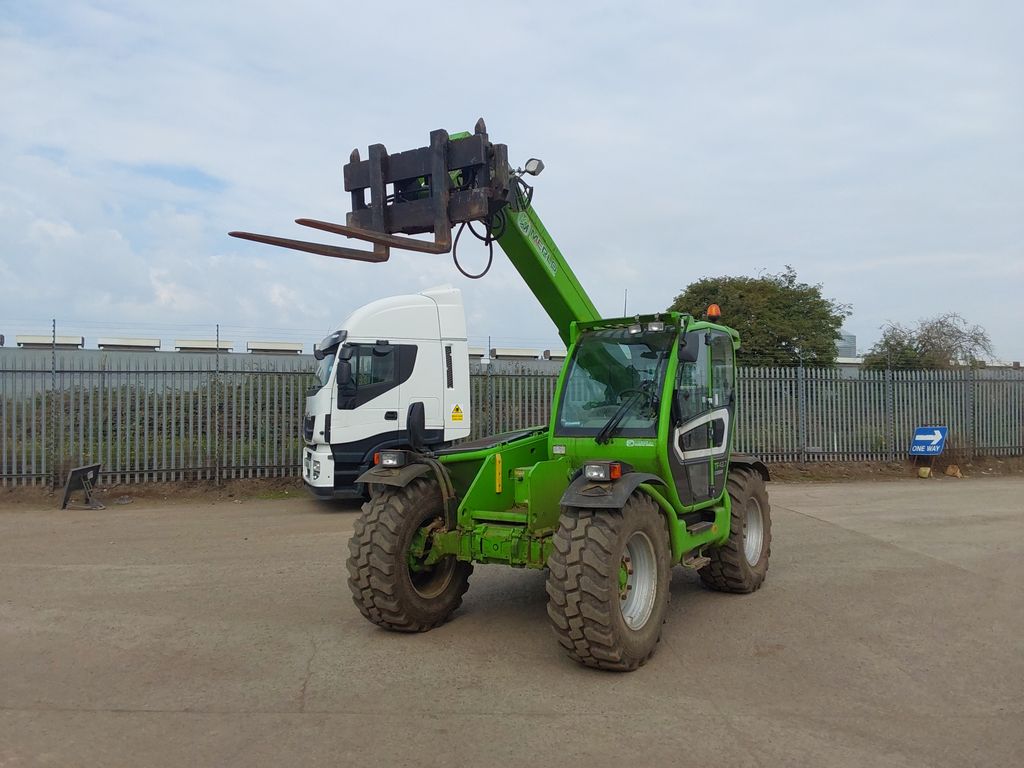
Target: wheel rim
(433, 581)
(753, 537)
(428, 581)
(638, 580)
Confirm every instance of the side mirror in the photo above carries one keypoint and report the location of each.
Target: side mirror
(344, 368)
(688, 352)
(416, 424)
(318, 353)
(346, 387)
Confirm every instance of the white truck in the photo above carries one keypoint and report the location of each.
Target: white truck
(369, 371)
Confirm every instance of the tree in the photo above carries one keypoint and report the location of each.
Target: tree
(781, 321)
(944, 341)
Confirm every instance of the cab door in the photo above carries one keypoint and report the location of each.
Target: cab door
(369, 394)
(702, 416)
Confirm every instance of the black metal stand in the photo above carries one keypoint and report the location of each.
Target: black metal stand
(82, 479)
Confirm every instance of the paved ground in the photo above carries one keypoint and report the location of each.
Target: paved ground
(890, 633)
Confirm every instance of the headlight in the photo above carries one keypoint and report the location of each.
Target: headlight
(316, 469)
(390, 458)
(603, 471)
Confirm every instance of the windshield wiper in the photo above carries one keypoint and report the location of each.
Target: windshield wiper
(606, 432)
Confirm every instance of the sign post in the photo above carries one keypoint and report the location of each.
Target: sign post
(930, 442)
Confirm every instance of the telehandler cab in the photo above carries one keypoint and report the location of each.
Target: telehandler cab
(633, 475)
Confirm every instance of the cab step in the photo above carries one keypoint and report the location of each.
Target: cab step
(703, 526)
(695, 561)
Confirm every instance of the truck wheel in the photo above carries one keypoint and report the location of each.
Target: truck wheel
(741, 563)
(389, 583)
(608, 583)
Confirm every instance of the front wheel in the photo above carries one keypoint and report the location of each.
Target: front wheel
(390, 582)
(608, 583)
(741, 563)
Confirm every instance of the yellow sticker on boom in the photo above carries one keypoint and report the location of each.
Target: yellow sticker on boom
(456, 413)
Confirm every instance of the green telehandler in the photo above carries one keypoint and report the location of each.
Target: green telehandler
(633, 475)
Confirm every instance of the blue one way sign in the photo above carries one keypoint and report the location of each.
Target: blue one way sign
(928, 441)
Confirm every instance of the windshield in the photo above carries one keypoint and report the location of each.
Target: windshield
(325, 366)
(614, 381)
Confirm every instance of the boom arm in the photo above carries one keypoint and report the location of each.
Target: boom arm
(535, 256)
(454, 180)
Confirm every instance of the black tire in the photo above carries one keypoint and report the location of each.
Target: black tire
(585, 598)
(384, 587)
(730, 570)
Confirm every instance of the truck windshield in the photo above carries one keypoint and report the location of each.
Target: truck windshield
(325, 366)
(614, 376)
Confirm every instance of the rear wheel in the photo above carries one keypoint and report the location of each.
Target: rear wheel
(390, 582)
(608, 583)
(741, 563)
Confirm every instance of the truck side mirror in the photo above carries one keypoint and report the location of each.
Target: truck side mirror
(344, 374)
(346, 386)
(416, 424)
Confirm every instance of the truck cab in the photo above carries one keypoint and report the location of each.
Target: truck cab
(382, 358)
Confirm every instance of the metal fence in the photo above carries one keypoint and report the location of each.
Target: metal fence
(174, 417)
(150, 417)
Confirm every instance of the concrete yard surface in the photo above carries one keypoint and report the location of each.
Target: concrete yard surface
(890, 632)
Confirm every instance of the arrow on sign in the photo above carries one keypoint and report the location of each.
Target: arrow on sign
(933, 438)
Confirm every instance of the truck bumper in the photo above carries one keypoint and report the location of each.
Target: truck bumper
(324, 479)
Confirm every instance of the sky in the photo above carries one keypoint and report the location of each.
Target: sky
(877, 147)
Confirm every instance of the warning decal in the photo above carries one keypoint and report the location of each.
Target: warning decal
(456, 413)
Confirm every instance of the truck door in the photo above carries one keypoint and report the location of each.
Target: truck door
(371, 396)
(702, 416)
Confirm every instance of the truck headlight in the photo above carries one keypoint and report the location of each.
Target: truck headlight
(316, 469)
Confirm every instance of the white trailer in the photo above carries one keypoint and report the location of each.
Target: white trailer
(384, 357)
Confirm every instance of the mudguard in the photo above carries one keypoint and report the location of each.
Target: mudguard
(586, 494)
(396, 476)
(750, 462)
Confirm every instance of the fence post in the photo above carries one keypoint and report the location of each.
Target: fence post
(972, 431)
(801, 390)
(491, 400)
(51, 429)
(216, 409)
(890, 411)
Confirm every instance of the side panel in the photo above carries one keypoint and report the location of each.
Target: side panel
(455, 384)
(424, 385)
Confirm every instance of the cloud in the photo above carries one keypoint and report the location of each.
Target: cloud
(875, 147)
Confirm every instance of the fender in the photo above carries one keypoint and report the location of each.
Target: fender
(396, 476)
(750, 462)
(586, 494)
